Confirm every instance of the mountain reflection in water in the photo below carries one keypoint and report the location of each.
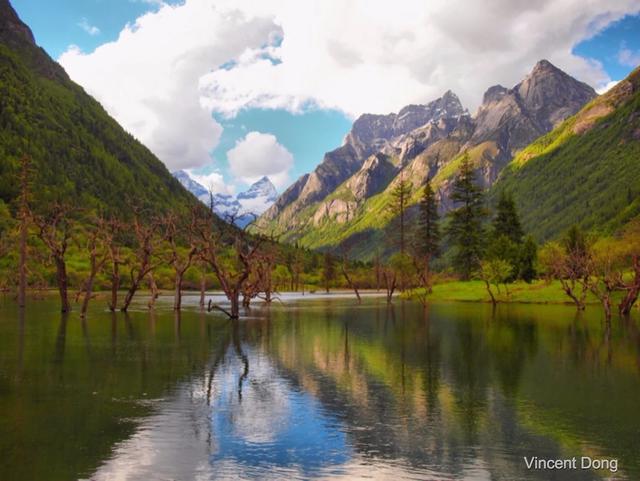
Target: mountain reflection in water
(317, 389)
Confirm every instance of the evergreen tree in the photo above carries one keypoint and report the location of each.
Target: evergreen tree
(466, 229)
(505, 242)
(400, 196)
(507, 221)
(528, 256)
(428, 234)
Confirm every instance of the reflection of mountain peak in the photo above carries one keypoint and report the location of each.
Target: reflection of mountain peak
(245, 206)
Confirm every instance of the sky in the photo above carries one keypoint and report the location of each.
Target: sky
(232, 90)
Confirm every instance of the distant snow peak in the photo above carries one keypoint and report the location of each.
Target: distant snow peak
(244, 207)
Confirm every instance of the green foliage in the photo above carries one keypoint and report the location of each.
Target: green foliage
(507, 222)
(465, 229)
(528, 258)
(495, 271)
(587, 176)
(78, 153)
(427, 234)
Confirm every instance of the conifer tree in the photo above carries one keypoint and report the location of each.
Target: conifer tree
(466, 230)
(428, 235)
(400, 196)
(507, 222)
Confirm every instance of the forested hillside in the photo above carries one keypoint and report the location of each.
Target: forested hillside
(77, 152)
(585, 172)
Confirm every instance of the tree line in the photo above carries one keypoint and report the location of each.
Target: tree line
(495, 249)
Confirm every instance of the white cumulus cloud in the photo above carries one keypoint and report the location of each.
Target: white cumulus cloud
(257, 155)
(148, 78)
(213, 182)
(169, 71)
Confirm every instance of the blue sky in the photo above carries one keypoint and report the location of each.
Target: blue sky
(308, 132)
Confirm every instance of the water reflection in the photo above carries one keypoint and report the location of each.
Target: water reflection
(321, 389)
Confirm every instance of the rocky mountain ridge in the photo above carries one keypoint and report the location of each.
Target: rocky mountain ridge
(343, 196)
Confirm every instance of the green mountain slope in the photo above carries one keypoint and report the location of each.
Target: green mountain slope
(77, 151)
(586, 171)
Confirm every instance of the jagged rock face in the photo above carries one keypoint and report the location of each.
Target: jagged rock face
(286, 198)
(19, 37)
(514, 118)
(421, 142)
(373, 177)
(549, 95)
(370, 134)
(337, 209)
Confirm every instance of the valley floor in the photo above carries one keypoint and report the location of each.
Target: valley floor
(538, 292)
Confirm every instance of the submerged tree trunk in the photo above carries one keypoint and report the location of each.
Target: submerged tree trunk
(351, 284)
(569, 289)
(633, 290)
(115, 286)
(63, 282)
(22, 282)
(88, 292)
(154, 291)
(177, 298)
(203, 290)
(493, 298)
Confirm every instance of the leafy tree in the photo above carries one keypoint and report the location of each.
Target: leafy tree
(400, 197)
(495, 272)
(466, 229)
(507, 222)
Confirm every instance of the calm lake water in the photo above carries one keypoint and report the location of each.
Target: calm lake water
(316, 389)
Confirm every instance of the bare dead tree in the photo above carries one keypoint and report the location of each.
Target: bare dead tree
(570, 266)
(113, 229)
(390, 277)
(631, 284)
(153, 288)
(143, 263)
(231, 270)
(54, 229)
(181, 259)
(344, 267)
(97, 247)
(203, 288)
(631, 288)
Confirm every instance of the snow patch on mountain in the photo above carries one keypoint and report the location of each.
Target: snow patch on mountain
(244, 207)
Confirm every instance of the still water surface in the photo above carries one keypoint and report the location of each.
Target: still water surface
(316, 389)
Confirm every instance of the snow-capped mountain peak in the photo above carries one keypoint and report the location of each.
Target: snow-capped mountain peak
(244, 207)
(263, 188)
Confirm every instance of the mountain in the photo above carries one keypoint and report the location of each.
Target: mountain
(245, 207)
(370, 134)
(77, 152)
(344, 202)
(586, 171)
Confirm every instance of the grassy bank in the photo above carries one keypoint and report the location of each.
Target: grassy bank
(538, 292)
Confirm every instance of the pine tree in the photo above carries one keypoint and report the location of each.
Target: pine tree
(400, 196)
(507, 222)
(528, 256)
(428, 232)
(466, 229)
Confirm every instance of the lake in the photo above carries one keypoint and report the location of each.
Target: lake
(316, 389)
